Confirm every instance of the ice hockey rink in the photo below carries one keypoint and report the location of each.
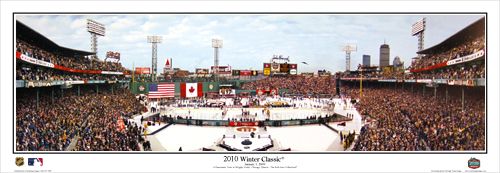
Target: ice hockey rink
(305, 138)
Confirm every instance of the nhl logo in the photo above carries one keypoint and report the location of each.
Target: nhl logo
(211, 86)
(19, 161)
(141, 88)
(474, 163)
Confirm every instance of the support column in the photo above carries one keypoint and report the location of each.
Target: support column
(52, 95)
(37, 97)
(435, 91)
(463, 99)
(446, 97)
(423, 92)
(97, 88)
(78, 90)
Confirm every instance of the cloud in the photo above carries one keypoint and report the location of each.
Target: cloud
(249, 40)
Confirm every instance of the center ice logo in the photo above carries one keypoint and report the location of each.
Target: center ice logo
(246, 129)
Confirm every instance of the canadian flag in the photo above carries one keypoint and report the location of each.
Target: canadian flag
(191, 89)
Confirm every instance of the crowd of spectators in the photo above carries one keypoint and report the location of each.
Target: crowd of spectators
(408, 121)
(467, 71)
(79, 63)
(295, 84)
(92, 119)
(26, 71)
(464, 49)
(470, 70)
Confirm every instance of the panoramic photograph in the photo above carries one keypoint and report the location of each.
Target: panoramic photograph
(250, 83)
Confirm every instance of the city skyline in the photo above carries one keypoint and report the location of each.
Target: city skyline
(249, 40)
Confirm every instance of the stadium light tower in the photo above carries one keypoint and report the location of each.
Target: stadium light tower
(216, 44)
(348, 49)
(95, 29)
(418, 29)
(154, 40)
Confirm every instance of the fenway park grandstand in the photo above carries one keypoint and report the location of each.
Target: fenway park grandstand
(69, 100)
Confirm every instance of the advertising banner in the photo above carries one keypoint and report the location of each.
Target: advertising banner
(275, 67)
(285, 68)
(201, 71)
(245, 73)
(223, 69)
(142, 70)
(236, 72)
(38, 84)
(466, 58)
(233, 123)
(34, 61)
(267, 71)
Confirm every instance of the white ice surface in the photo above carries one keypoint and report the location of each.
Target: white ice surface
(304, 138)
(298, 138)
(190, 138)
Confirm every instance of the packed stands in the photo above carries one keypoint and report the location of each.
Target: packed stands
(406, 120)
(295, 84)
(92, 115)
(91, 118)
(25, 71)
(462, 56)
(80, 63)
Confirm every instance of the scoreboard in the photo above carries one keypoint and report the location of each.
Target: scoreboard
(245, 73)
(279, 69)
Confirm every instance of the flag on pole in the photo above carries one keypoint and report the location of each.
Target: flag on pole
(161, 90)
(133, 72)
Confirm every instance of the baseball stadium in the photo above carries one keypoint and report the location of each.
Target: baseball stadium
(72, 99)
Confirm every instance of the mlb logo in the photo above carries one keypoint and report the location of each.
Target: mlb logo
(35, 161)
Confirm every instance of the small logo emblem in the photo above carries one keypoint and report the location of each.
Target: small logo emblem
(246, 129)
(35, 161)
(474, 163)
(19, 161)
(141, 88)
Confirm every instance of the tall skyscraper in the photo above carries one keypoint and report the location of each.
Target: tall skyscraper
(396, 62)
(366, 60)
(384, 56)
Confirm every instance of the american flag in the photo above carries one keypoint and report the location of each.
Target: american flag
(161, 90)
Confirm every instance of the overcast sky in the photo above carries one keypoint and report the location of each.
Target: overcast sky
(249, 40)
